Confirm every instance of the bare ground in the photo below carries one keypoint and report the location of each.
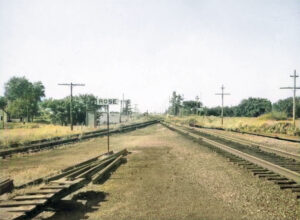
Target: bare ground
(24, 168)
(169, 177)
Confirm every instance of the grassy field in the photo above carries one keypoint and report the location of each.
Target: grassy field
(244, 124)
(19, 133)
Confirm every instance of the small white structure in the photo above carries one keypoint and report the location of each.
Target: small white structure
(114, 118)
(91, 119)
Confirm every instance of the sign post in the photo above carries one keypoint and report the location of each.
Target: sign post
(107, 102)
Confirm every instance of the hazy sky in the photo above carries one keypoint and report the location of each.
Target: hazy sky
(148, 48)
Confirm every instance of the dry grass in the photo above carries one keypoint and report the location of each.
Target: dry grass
(20, 134)
(246, 124)
(32, 166)
(33, 131)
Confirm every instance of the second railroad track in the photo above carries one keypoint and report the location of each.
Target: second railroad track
(283, 171)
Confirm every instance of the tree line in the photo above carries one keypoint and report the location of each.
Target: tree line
(24, 100)
(21, 98)
(251, 107)
(180, 107)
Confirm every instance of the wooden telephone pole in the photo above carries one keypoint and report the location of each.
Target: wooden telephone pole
(222, 95)
(107, 109)
(71, 99)
(294, 95)
(121, 108)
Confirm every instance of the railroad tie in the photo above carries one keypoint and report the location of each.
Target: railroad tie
(32, 203)
(262, 163)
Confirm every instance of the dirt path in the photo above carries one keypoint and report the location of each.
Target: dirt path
(169, 177)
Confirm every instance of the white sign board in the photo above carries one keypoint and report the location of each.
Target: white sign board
(107, 101)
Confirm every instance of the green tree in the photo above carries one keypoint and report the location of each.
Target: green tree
(16, 108)
(176, 103)
(3, 103)
(191, 106)
(89, 100)
(23, 97)
(286, 105)
(17, 87)
(58, 110)
(253, 107)
(214, 111)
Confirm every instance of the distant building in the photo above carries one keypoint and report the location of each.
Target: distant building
(91, 119)
(3, 116)
(114, 118)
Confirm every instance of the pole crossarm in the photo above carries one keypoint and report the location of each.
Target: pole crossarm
(222, 94)
(289, 87)
(70, 84)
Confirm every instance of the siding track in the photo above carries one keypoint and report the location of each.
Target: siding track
(250, 133)
(246, 143)
(281, 170)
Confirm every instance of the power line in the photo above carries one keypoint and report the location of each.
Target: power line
(71, 98)
(222, 95)
(294, 95)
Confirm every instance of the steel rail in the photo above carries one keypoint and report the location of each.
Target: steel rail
(250, 133)
(250, 144)
(270, 166)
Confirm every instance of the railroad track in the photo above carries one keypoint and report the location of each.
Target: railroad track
(75, 138)
(30, 204)
(245, 142)
(281, 170)
(250, 133)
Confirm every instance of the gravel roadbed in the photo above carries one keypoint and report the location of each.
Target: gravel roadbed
(170, 177)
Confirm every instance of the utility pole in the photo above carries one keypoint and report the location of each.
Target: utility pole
(3, 118)
(169, 109)
(107, 107)
(294, 95)
(121, 108)
(71, 98)
(197, 100)
(136, 109)
(222, 95)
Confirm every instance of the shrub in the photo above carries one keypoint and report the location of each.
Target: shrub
(274, 115)
(192, 121)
